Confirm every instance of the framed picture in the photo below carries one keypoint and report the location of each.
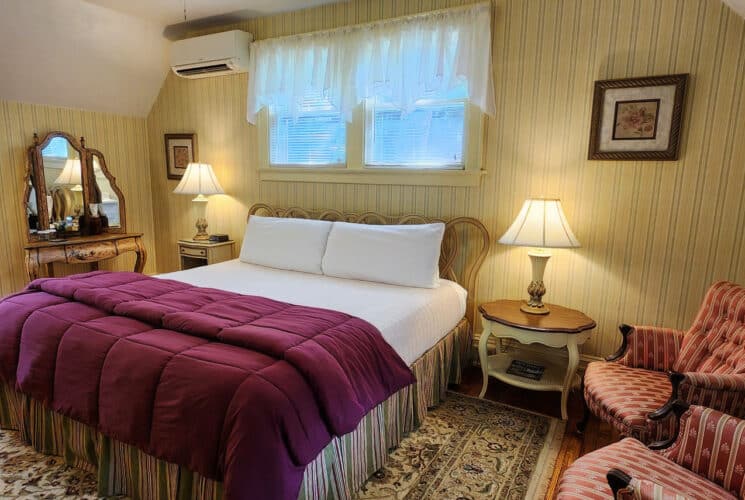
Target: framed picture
(181, 149)
(637, 118)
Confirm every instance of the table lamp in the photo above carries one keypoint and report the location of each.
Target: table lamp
(199, 179)
(71, 175)
(540, 224)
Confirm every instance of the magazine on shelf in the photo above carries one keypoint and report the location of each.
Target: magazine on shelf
(526, 369)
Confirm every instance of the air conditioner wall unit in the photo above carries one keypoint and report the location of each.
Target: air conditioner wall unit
(211, 55)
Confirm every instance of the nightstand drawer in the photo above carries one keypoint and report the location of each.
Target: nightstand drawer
(194, 252)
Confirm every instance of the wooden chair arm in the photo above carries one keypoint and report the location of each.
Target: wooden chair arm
(678, 407)
(662, 412)
(617, 480)
(625, 331)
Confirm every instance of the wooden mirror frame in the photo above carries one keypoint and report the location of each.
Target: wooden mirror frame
(35, 177)
(35, 170)
(112, 181)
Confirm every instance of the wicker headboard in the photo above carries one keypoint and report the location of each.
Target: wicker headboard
(464, 246)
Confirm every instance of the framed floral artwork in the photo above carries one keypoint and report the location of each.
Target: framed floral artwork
(637, 118)
(181, 149)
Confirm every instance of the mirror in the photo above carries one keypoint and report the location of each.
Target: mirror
(63, 175)
(69, 190)
(105, 193)
(31, 203)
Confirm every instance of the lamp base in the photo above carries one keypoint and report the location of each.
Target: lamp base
(536, 289)
(527, 308)
(201, 230)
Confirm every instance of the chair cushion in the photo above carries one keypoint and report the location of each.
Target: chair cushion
(623, 397)
(716, 341)
(585, 478)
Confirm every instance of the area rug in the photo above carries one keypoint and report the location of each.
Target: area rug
(466, 448)
(469, 448)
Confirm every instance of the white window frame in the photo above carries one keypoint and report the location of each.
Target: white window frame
(265, 121)
(356, 172)
(370, 124)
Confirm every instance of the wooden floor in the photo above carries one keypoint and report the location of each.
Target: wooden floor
(597, 434)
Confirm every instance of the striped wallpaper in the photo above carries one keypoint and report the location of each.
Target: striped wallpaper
(654, 234)
(123, 141)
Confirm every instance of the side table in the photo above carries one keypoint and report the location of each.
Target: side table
(561, 328)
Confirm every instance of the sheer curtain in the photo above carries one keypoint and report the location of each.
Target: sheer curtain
(401, 60)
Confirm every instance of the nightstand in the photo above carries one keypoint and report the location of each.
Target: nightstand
(561, 328)
(201, 253)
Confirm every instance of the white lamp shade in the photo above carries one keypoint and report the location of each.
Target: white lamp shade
(541, 223)
(71, 174)
(199, 179)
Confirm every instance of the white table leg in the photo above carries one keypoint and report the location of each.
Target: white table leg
(571, 371)
(484, 356)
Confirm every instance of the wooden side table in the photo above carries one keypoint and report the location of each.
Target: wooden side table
(562, 327)
(201, 253)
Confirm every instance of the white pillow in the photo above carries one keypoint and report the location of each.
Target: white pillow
(282, 243)
(406, 255)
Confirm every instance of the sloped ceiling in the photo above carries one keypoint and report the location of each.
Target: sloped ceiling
(72, 53)
(104, 55)
(737, 5)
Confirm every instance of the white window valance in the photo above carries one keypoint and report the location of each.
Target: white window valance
(401, 60)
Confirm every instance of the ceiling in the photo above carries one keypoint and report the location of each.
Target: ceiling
(80, 55)
(737, 5)
(111, 55)
(103, 55)
(171, 12)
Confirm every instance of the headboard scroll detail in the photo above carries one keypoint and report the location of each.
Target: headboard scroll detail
(465, 244)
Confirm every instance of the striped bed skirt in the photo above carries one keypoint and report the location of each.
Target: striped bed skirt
(337, 472)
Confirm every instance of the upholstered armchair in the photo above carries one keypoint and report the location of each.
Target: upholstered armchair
(634, 388)
(705, 461)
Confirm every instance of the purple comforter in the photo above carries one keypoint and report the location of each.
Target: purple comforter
(237, 388)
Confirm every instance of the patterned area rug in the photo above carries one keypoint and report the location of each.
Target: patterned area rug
(26, 474)
(467, 448)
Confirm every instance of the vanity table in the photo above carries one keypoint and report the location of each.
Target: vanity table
(83, 249)
(69, 188)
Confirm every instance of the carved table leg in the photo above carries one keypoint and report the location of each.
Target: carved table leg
(32, 264)
(582, 424)
(141, 256)
(571, 372)
(484, 356)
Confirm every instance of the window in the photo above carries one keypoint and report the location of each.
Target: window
(431, 135)
(438, 142)
(316, 136)
(57, 148)
(403, 100)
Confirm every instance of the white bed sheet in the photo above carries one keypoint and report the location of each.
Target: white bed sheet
(411, 320)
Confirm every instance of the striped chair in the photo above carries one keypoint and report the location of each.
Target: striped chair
(706, 461)
(634, 388)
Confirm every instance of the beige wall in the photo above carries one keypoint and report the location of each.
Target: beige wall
(121, 139)
(654, 234)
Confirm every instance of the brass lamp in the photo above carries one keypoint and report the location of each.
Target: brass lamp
(540, 224)
(199, 179)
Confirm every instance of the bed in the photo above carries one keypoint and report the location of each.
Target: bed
(428, 328)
